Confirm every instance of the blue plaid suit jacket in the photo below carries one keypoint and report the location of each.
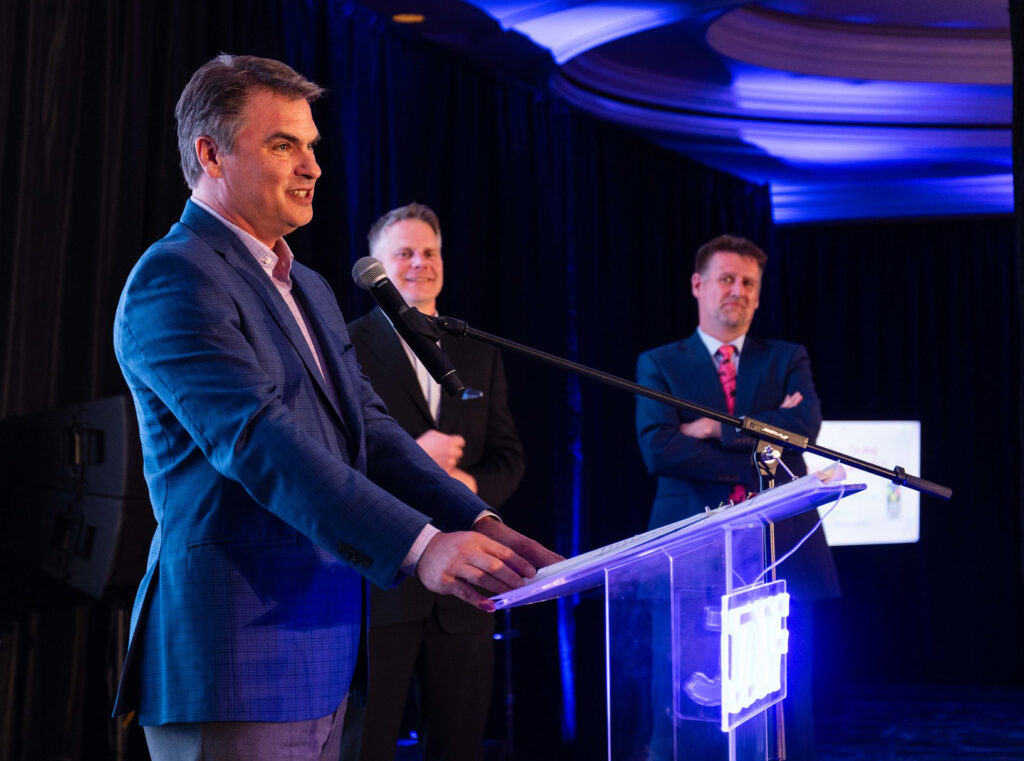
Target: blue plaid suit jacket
(272, 502)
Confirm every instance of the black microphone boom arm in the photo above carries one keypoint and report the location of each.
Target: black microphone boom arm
(756, 428)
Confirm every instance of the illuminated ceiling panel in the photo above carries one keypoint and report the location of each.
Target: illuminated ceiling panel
(816, 104)
(848, 108)
(922, 197)
(862, 51)
(568, 28)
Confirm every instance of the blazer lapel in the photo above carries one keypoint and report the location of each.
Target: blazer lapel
(226, 243)
(451, 407)
(332, 349)
(249, 268)
(749, 377)
(700, 371)
(388, 353)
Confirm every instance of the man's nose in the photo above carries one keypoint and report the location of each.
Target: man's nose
(309, 168)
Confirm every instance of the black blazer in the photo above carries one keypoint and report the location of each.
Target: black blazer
(493, 454)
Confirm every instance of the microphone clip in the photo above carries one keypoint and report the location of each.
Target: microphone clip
(420, 324)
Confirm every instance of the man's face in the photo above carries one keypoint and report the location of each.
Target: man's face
(727, 294)
(411, 254)
(265, 185)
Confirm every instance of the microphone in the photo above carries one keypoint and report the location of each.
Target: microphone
(411, 324)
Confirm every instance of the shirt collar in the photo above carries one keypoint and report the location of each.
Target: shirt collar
(276, 262)
(713, 344)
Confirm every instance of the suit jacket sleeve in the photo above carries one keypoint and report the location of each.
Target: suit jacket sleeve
(180, 336)
(668, 452)
(500, 467)
(804, 419)
(665, 449)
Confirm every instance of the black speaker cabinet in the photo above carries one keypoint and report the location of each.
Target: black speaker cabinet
(75, 501)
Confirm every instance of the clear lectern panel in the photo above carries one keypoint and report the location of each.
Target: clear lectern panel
(696, 638)
(677, 688)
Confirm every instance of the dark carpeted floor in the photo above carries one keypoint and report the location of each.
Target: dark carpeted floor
(896, 723)
(924, 723)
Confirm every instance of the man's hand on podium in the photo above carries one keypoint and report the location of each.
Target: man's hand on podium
(534, 552)
(456, 563)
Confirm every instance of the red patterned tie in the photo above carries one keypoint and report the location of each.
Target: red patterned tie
(727, 377)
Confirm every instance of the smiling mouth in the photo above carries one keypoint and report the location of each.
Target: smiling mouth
(300, 193)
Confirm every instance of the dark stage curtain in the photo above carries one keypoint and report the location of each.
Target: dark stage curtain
(918, 320)
(1017, 41)
(89, 170)
(560, 232)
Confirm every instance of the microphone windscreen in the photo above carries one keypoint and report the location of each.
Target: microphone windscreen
(368, 271)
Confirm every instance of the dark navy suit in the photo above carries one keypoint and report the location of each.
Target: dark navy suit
(694, 473)
(271, 501)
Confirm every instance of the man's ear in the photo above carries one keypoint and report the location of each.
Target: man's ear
(209, 155)
(695, 283)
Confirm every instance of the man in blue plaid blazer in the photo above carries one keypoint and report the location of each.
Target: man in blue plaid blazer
(277, 478)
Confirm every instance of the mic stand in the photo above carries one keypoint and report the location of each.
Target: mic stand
(768, 437)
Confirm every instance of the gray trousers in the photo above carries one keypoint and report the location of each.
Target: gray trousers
(311, 740)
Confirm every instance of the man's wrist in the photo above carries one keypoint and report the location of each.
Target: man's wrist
(487, 514)
(412, 557)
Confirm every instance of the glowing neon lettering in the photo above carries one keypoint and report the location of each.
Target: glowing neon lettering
(754, 643)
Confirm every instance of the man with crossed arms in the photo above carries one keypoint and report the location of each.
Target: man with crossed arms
(700, 463)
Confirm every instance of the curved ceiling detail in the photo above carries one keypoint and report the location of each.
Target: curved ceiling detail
(847, 108)
(853, 50)
(569, 28)
(844, 119)
(770, 94)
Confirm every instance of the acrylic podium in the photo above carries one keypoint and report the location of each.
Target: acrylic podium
(695, 627)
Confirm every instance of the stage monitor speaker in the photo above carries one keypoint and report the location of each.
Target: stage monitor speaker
(76, 499)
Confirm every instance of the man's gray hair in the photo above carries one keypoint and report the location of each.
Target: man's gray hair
(413, 210)
(213, 102)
